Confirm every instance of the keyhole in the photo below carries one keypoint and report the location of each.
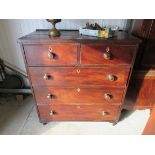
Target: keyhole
(50, 49)
(78, 89)
(78, 71)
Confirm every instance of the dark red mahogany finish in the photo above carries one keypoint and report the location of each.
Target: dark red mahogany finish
(79, 78)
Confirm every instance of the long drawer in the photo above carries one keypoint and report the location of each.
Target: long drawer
(103, 54)
(78, 96)
(51, 54)
(78, 113)
(64, 76)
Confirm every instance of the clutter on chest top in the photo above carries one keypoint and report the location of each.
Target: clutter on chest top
(98, 31)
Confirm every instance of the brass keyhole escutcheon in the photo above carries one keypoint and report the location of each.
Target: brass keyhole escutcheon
(78, 71)
(78, 90)
(50, 49)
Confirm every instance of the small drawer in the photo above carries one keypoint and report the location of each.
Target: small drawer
(51, 54)
(78, 96)
(78, 113)
(65, 76)
(101, 54)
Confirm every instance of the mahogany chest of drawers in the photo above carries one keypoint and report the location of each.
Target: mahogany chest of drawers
(78, 78)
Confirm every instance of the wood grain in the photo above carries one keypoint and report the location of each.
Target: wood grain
(78, 113)
(41, 37)
(145, 30)
(64, 76)
(63, 54)
(78, 96)
(93, 54)
(78, 79)
(140, 94)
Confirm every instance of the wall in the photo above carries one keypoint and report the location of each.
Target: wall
(11, 30)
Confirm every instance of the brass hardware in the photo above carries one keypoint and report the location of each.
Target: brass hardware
(105, 113)
(78, 71)
(78, 89)
(107, 96)
(49, 96)
(78, 107)
(52, 113)
(46, 77)
(50, 49)
(51, 55)
(53, 32)
(107, 54)
(111, 77)
(107, 49)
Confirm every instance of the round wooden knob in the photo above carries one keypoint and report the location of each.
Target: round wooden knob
(107, 96)
(111, 77)
(52, 113)
(49, 96)
(51, 55)
(105, 113)
(107, 55)
(46, 77)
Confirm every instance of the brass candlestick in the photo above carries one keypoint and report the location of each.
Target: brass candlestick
(54, 32)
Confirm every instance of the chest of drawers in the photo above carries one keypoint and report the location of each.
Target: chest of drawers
(78, 78)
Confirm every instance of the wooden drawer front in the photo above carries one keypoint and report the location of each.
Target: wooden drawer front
(51, 55)
(78, 96)
(79, 76)
(91, 54)
(78, 113)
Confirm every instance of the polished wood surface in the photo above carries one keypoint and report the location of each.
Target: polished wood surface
(79, 76)
(145, 30)
(148, 60)
(79, 113)
(73, 36)
(94, 54)
(140, 94)
(76, 77)
(141, 28)
(51, 55)
(79, 96)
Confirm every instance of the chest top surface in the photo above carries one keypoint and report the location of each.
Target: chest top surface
(73, 36)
